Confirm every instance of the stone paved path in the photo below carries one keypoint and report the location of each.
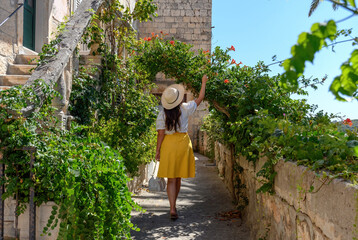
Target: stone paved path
(199, 204)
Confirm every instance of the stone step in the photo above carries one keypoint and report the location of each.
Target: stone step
(26, 59)
(20, 69)
(90, 60)
(12, 80)
(2, 88)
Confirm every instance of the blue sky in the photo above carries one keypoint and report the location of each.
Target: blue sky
(260, 29)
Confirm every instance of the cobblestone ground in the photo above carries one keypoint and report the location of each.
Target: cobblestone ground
(201, 203)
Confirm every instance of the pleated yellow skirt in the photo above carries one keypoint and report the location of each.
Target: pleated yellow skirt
(176, 157)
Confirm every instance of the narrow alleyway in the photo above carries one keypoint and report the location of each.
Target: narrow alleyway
(202, 204)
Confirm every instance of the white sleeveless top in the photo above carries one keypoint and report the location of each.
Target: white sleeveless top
(187, 109)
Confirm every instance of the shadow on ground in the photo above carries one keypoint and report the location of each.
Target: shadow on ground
(200, 202)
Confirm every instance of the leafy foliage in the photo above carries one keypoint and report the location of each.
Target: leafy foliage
(254, 111)
(263, 120)
(309, 44)
(82, 170)
(115, 105)
(86, 178)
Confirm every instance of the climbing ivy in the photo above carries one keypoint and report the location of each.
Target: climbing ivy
(113, 99)
(82, 170)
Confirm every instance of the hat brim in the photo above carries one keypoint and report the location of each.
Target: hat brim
(181, 91)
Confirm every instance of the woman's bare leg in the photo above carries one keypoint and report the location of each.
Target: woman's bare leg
(178, 184)
(172, 194)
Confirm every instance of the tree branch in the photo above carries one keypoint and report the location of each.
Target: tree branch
(344, 6)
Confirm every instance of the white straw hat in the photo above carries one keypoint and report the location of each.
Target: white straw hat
(172, 96)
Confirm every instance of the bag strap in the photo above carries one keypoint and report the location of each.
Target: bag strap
(155, 166)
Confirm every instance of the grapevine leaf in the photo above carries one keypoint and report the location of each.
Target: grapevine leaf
(352, 2)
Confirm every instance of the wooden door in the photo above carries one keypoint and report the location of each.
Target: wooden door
(29, 24)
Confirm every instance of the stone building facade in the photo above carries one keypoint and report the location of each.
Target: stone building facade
(188, 21)
(30, 27)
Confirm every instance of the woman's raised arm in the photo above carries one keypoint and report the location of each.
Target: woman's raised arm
(202, 90)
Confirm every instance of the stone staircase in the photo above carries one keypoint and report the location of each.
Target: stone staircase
(19, 72)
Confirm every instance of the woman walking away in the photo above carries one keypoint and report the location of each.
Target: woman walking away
(174, 148)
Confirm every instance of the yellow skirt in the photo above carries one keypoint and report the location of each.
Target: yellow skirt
(176, 157)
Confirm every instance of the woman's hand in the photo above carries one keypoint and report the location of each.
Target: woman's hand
(204, 79)
(157, 156)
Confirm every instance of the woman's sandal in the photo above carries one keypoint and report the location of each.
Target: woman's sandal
(174, 216)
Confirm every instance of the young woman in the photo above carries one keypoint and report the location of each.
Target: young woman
(174, 148)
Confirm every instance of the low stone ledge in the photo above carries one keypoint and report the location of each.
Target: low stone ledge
(329, 210)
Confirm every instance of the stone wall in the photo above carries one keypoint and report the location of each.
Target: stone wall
(42, 215)
(8, 36)
(330, 211)
(188, 21)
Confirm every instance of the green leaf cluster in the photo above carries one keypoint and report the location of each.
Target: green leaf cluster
(310, 43)
(80, 173)
(307, 45)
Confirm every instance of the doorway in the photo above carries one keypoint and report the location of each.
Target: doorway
(29, 24)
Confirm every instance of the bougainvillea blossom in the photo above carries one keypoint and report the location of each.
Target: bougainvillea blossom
(348, 122)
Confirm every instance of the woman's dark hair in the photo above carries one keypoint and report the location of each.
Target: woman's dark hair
(172, 118)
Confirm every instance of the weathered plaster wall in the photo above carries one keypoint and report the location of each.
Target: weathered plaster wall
(293, 212)
(8, 35)
(188, 21)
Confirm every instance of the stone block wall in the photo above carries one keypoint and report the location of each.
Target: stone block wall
(330, 211)
(42, 215)
(185, 20)
(188, 21)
